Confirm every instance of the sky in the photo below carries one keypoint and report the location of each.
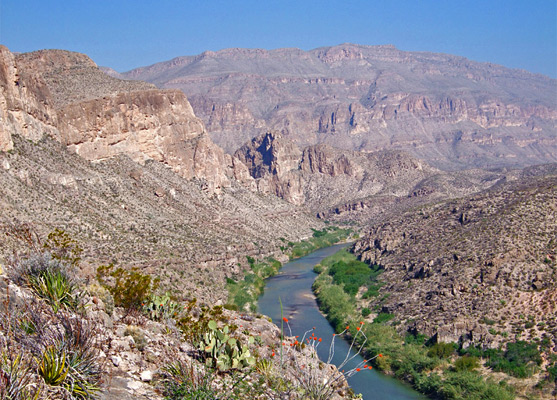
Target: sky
(125, 34)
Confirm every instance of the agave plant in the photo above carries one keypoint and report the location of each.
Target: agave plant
(16, 379)
(52, 366)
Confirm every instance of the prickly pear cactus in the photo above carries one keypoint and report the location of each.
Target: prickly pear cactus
(223, 352)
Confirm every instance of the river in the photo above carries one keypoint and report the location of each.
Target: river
(293, 286)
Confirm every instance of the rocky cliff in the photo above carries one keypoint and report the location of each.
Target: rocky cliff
(452, 112)
(343, 185)
(65, 95)
(480, 269)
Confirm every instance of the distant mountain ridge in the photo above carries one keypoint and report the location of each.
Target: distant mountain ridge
(452, 112)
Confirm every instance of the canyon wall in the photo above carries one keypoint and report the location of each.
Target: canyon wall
(452, 112)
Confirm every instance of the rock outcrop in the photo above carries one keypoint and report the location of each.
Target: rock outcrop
(449, 111)
(66, 96)
(477, 270)
(25, 108)
(344, 185)
(274, 162)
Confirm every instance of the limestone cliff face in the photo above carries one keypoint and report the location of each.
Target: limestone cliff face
(25, 108)
(273, 161)
(65, 95)
(449, 111)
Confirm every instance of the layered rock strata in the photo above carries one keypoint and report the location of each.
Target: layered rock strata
(452, 112)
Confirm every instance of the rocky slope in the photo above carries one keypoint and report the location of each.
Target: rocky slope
(452, 112)
(342, 185)
(129, 171)
(477, 270)
(142, 215)
(116, 355)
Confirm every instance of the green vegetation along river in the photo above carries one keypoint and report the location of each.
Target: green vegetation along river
(293, 287)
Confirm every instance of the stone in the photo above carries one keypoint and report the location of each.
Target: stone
(116, 360)
(147, 376)
(134, 385)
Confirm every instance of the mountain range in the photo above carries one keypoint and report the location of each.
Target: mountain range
(447, 110)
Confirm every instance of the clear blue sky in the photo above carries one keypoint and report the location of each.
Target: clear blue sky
(124, 34)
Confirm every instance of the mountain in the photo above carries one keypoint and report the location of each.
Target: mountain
(130, 173)
(452, 112)
(479, 270)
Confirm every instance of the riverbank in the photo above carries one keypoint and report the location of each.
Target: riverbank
(242, 295)
(293, 287)
(343, 290)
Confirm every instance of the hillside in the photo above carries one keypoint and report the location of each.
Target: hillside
(129, 172)
(452, 112)
(477, 270)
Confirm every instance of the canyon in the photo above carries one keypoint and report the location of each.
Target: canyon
(445, 166)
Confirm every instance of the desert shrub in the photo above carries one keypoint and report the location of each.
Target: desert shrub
(520, 359)
(335, 302)
(552, 373)
(441, 350)
(372, 290)
(466, 363)
(129, 288)
(415, 338)
(49, 278)
(352, 275)
(365, 312)
(63, 247)
(468, 385)
(382, 318)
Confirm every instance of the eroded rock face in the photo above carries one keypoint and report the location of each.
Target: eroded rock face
(343, 185)
(447, 110)
(64, 94)
(25, 108)
(274, 162)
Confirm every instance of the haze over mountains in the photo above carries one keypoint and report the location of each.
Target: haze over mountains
(452, 112)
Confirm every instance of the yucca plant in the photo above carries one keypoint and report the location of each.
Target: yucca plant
(52, 366)
(56, 288)
(16, 379)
